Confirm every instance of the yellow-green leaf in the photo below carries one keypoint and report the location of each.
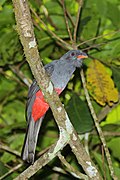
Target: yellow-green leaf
(100, 84)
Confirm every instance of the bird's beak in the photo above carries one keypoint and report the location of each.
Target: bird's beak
(82, 56)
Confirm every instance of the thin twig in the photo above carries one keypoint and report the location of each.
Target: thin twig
(61, 45)
(98, 126)
(44, 151)
(59, 170)
(73, 171)
(10, 77)
(51, 32)
(68, 14)
(20, 74)
(77, 20)
(7, 149)
(103, 162)
(98, 37)
(57, 42)
(66, 21)
(107, 133)
(11, 171)
(94, 46)
(43, 160)
(98, 29)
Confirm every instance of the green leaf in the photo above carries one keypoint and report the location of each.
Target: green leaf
(14, 112)
(116, 76)
(44, 39)
(114, 145)
(3, 170)
(79, 114)
(113, 117)
(113, 13)
(102, 165)
(16, 141)
(6, 86)
(2, 2)
(101, 6)
(7, 157)
(53, 7)
(9, 128)
(6, 16)
(72, 6)
(58, 21)
(48, 50)
(48, 133)
(116, 50)
(117, 171)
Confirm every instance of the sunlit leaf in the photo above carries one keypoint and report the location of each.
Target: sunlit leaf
(113, 117)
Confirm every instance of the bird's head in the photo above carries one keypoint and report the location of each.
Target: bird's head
(75, 57)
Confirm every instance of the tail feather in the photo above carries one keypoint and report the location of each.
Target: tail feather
(30, 142)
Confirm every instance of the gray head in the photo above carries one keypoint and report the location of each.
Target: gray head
(75, 57)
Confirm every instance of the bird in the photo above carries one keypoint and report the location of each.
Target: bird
(60, 72)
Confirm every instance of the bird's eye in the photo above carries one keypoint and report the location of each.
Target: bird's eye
(72, 54)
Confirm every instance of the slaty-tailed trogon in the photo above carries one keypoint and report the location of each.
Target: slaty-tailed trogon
(60, 72)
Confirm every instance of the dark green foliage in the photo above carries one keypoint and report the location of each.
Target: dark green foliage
(79, 114)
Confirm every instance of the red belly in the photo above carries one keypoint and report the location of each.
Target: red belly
(40, 107)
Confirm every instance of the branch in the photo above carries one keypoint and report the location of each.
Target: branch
(98, 37)
(45, 158)
(11, 151)
(19, 74)
(11, 171)
(77, 19)
(67, 132)
(98, 127)
(68, 14)
(71, 169)
(66, 20)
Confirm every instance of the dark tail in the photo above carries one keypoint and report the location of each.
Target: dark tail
(30, 142)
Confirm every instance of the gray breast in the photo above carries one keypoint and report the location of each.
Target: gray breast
(62, 74)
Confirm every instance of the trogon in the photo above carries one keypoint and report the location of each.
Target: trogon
(60, 72)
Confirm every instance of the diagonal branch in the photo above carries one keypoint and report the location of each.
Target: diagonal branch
(98, 37)
(44, 159)
(9, 150)
(71, 169)
(68, 14)
(98, 127)
(77, 19)
(66, 20)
